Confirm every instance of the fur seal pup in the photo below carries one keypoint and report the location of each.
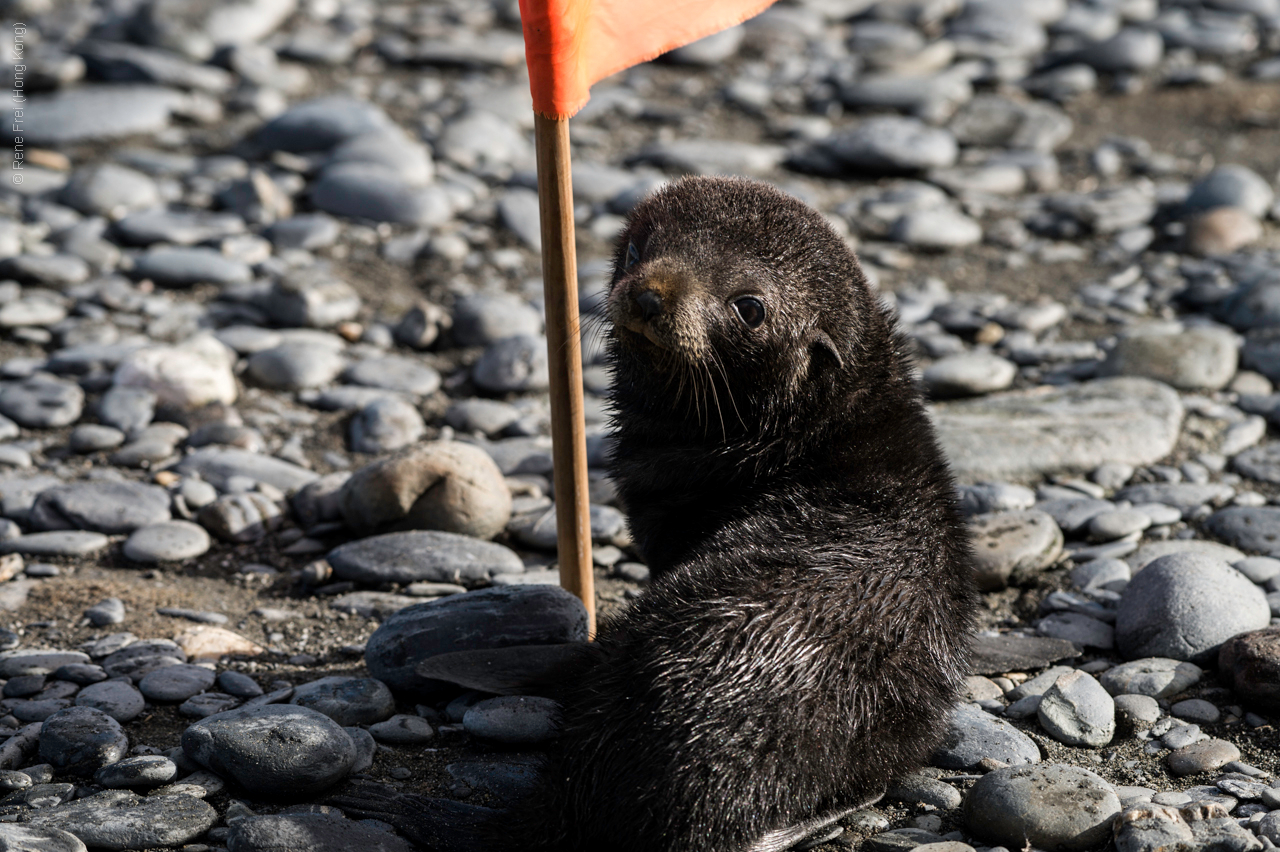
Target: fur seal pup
(808, 620)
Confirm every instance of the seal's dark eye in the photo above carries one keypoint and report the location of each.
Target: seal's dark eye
(750, 310)
(633, 256)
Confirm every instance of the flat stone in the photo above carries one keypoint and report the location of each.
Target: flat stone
(169, 541)
(1149, 553)
(30, 838)
(310, 833)
(79, 740)
(375, 192)
(348, 701)
(1012, 544)
(1183, 496)
(1029, 434)
(185, 266)
(1077, 711)
(180, 227)
(893, 144)
(144, 771)
(403, 730)
(482, 319)
(1011, 653)
(1248, 527)
(1079, 629)
(974, 735)
(1184, 606)
(311, 297)
(513, 364)
(418, 555)
(394, 372)
(514, 719)
(1196, 358)
(491, 618)
(89, 113)
(1204, 756)
(60, 543)
(118, 819)
(1052, 807)
(218, 465)
(295, 365)
(174, 684)
(118, 699)
(272, 749)
(42, 402)
(1232, 185)
(102, 506)
(969, 373)
(35, 662)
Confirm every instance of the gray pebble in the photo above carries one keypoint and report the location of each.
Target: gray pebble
(169, 541)
(1203, 756)
(133, 772)
(175, 684)
(1196, 710)
(296, 365)
(514, 719)
(239, 685)
(185, 266)
(106, 612)
(117, 698)
(386, 424)
(118, 819)
(80, 740)
(347, 700)
(1136, 712)
(1049, 807)
(1157, 677)
(311, 832)
(974, 735)
(1076, 710)
(42, 402)
(403, 730)
(107, 507)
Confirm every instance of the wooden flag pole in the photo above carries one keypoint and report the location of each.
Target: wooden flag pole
(564, 350)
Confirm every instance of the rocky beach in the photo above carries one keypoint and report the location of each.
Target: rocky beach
(274, 425)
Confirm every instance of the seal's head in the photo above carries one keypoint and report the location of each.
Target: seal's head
(738, 296)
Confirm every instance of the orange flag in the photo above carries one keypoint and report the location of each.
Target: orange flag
(570, 44)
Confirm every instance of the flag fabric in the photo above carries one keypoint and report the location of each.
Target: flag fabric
(570, 44)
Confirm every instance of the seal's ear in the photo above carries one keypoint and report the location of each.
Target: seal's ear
(822, 346)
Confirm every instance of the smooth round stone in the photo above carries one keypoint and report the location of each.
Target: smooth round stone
(1184, 496)
(311, 833)
(81, 674)
(974, 735)
(421, 325)
(220, 466)
(1098, 573)
(321, 124)
(106, 612)
(1109, 526)
(1136, 712)
(1012, 543)
(395, 373)
(1149, 553)
(311, 297)
(1131, 49)
(1077, 628)
(347, 700)
(207, 704)
(59, 543)
(1184, 606)
(1156, 677)
(42, 402)
(893, 144)
(117, 698)
(513, 365)
(1261, 463)
(169, 541)
(1220, 231)
(307, 231)
(93, 438)
(988, 497)
(1248, 527)
(1250, 664)
(1197, 358)
(1258, 569)
(1204, 756)
(1196, 710)
(439, 485)
(1049, 807)
(192, 374)
(403, 730)
(244, 517)
(79, 740)
(150, 770)
(29, 662)
(514, 719)
(421, 555)
(180, 227)
(174, 684)
(1077, 711)
(485, 318)
(109, 190)
(137, 659)
(52, 270)
(185, 266)
(106, 507)
(969, 374)
(529, 615)
(28, 838)
(272, 750)
(940, 228)
(373, 191)
(386, 424)
(1232, 185)
(119, 819)
(925, 790)
(127, 408)
(31, 312)
(296, 365)
(238, 684)
(488, 416)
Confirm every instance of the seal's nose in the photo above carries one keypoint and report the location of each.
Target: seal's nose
(650, 304)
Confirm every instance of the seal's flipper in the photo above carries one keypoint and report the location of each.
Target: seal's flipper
(785, 838)
(437, 825)
(515, 670)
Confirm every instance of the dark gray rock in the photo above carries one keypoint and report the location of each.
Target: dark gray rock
(973, 734)
(42, 402)
(321, 124)
(144, 771)
(514, 719)
(1248, 527)
(347, 700)
(217, 465)
(275, 750)
(492, 618)
(80, 740)
(1049, 807)
(174, 684)
(421, 555)
(100, 506)
(310, 833)
(372, 191)
(117, 698)
(893, 144)
(184, 266)
(513, 364)
(118, 819)
(89, 113)
(29, 838)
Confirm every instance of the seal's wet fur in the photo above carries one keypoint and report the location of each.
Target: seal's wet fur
(807, 623)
